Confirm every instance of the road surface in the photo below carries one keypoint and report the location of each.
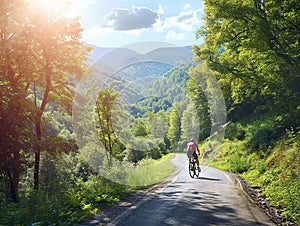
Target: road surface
(215, 198)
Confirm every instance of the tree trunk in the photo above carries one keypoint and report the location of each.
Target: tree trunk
(37, 155)
(13, 174)
(36, 168)
(40, 110)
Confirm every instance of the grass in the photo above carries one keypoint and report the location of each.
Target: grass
(70, 205)
(275, 170)
(150, 171)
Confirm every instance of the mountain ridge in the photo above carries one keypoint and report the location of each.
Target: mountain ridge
(98, 52)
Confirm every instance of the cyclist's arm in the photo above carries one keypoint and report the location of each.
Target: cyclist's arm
(199, 153)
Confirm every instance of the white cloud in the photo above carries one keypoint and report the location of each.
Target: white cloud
(160, 10)
(172, 35)
(187, 6)
(185, 21)
(122, 19)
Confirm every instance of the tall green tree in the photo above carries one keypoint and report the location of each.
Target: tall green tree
(253, 49)
(196, 92)
(207, 96)
(40, 53)
(58, 55)
(174, 130)
(16, 71)
(106, 99)
(190, 125)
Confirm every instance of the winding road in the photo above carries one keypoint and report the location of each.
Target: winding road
(215, 198)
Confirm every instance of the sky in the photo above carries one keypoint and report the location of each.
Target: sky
(115, 23)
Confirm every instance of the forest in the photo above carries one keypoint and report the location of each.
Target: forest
(72, 136)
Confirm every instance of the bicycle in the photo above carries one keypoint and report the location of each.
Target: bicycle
(193, 168)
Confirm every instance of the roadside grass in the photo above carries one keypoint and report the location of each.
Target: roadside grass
(275, 171)
(70, 205)
(149, 171)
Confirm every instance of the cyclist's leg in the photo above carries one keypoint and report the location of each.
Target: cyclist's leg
(198, 164)
(197, 160)
(189, 155)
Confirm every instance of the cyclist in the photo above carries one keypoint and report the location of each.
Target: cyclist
(192, 149)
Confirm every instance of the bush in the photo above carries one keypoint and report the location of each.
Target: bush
(64, 206)
(238, 163)
(235, 131)
(279, 176)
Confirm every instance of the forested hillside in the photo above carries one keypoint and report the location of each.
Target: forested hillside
(253, 48)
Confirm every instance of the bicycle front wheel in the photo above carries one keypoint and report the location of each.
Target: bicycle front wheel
(196, 171)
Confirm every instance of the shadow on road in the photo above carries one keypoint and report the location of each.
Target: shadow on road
(208, 178)
(192, 208)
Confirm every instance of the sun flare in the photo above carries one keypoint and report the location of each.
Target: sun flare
(59, 7)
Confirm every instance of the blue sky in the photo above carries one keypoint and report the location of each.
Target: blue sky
(116, 23)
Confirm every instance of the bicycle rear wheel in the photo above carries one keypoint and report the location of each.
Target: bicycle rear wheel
(192, 169)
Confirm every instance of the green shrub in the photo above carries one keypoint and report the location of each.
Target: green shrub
(238, 163)
(64, 207)
(279, 176)
(276, 171)
(235, 131)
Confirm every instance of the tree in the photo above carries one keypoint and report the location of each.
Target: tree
(253, 49)
(106, 99)
(16, 136)
(190, 124)
(204, 90)
(58, 54)
(200, 101)
(139, 127)
(40, 52)
(174, 130)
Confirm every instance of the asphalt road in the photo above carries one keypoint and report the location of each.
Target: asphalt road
(215, 198)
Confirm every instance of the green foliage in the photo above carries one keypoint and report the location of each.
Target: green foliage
(154, 153)
(190, 127)
(134, 155)
(154, 171)
(77, 200)
(140, 128)
(238, 163)
(235, 131)
(174, 130)
(179, 74)
(149, 104)
(253, 49)
(106, 99)
(208, 99)
(38, 57)
(276, 172)
(283, 172)
(66, 206)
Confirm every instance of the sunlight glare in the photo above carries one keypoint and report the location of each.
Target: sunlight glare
(64, 8)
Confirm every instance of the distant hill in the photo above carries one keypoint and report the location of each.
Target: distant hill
(147, 82)
(98, 52)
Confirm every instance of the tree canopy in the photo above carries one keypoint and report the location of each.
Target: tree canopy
(40, 54)
(253, 49)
